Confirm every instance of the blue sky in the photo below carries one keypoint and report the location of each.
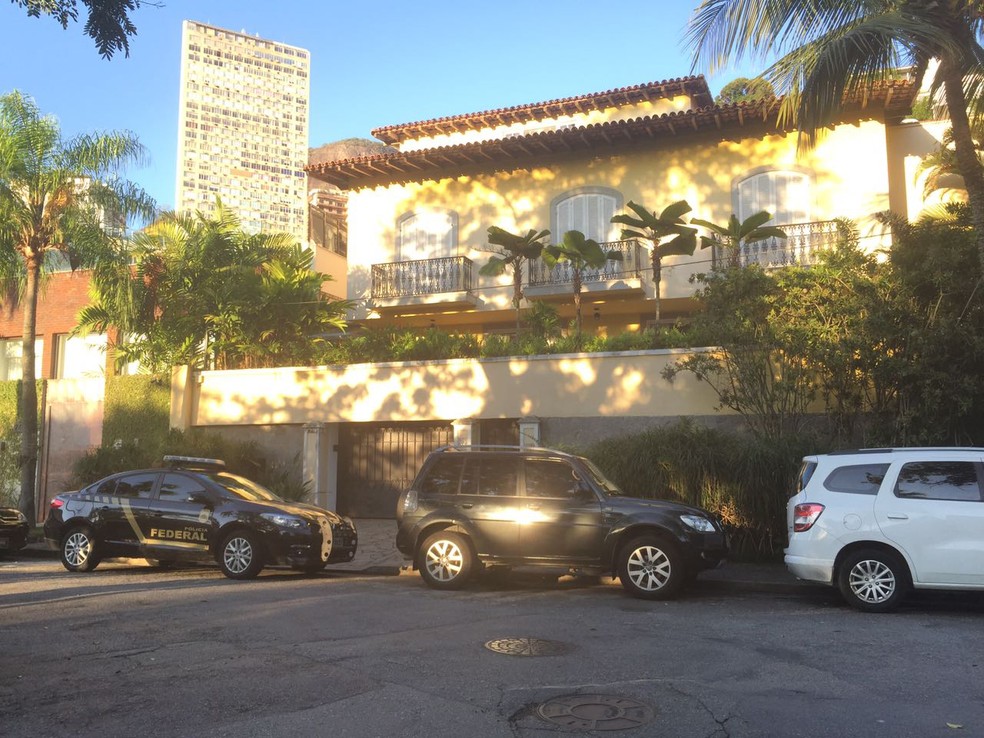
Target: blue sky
(373, 64)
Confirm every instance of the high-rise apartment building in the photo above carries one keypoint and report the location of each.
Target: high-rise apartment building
(243, 128)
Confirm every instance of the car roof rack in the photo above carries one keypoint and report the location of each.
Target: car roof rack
(193, 462)
(499, 447)
(904, 449)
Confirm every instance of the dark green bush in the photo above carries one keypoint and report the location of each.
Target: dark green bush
(244, 458)
(741, 478)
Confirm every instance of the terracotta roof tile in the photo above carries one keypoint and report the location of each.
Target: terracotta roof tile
(890, 100)
(694, 86)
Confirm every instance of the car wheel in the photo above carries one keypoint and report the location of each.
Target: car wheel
(78, 549)
(651, 568)
(241, 556)
(446, 560)
(873, 580)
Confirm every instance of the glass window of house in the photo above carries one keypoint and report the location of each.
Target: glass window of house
(589, 212)
(786, 195)
(11, 351)
(80, 357)
(428, 234)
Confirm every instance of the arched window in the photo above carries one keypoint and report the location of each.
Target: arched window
(427, 234)
(589, 210)
(784, 194)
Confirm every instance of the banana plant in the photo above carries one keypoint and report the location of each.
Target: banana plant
(581, 253)
(737, 234)
(667, 233)
(513, 250)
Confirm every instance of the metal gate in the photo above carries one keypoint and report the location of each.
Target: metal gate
(377, 461)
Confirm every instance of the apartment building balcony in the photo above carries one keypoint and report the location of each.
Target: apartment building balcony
(803, 242)
(445, 282)
(617, 276)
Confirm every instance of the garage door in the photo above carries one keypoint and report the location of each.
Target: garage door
(377, 461)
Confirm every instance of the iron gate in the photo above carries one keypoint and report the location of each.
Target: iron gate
(377, 461)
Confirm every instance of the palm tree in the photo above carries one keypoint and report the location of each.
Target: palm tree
(56, 195)
(581, 253)
(206, 293)
(830, 49)
(669, 224)
(737, 233)
(513, 251)
(942, 163)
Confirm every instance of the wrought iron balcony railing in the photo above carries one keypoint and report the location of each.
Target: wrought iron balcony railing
(422, 277)
(800, 247)
(629, 266)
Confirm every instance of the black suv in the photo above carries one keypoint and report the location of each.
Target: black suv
(194, 510)
(493, 505)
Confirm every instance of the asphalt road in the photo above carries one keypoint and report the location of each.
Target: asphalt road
(128, 650)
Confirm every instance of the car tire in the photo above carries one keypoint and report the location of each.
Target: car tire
(873, 580)
(446, 560)
(651, 568)
(241, 555)
(78, 549)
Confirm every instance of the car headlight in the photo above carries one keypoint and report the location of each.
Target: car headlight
(21, 517)
(698, 523)
(284, 521)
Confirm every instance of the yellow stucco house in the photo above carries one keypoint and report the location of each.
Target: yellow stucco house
(417, 226)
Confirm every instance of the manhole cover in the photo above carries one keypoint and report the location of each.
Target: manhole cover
(527, 647)
(595, 712)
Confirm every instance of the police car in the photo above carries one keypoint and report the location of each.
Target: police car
(193, 509)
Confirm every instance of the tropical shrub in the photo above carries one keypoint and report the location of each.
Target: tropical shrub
(743, 479)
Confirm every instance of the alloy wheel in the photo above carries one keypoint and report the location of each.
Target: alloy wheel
(872, 581)
(78, 547)
(238, 555)
(444, 560)
(649, 568)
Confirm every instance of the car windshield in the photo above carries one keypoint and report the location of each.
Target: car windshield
(243, 488)
(607, 486)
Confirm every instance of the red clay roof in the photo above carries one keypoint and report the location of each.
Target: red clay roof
(694, 86)
(891, 100)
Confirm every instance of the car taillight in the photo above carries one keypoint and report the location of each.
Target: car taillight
(410, 502)
(56, 503)
(805, 515)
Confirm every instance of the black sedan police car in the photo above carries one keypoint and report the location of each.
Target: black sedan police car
(194, 509)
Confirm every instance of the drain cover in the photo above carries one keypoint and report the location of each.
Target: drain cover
(527, 647)
(595, 712)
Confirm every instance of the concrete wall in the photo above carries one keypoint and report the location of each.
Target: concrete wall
(616, 385)
(73, 418)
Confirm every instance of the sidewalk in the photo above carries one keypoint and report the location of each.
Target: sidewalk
(377, 555)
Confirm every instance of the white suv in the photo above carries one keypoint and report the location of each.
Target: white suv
(878, 522)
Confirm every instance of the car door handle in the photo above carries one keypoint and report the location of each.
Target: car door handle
(466, 505)
(533, 506)
(897, 517)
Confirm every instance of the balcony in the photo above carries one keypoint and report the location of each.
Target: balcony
(446, 282)
(613, 275)
(800, 247)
